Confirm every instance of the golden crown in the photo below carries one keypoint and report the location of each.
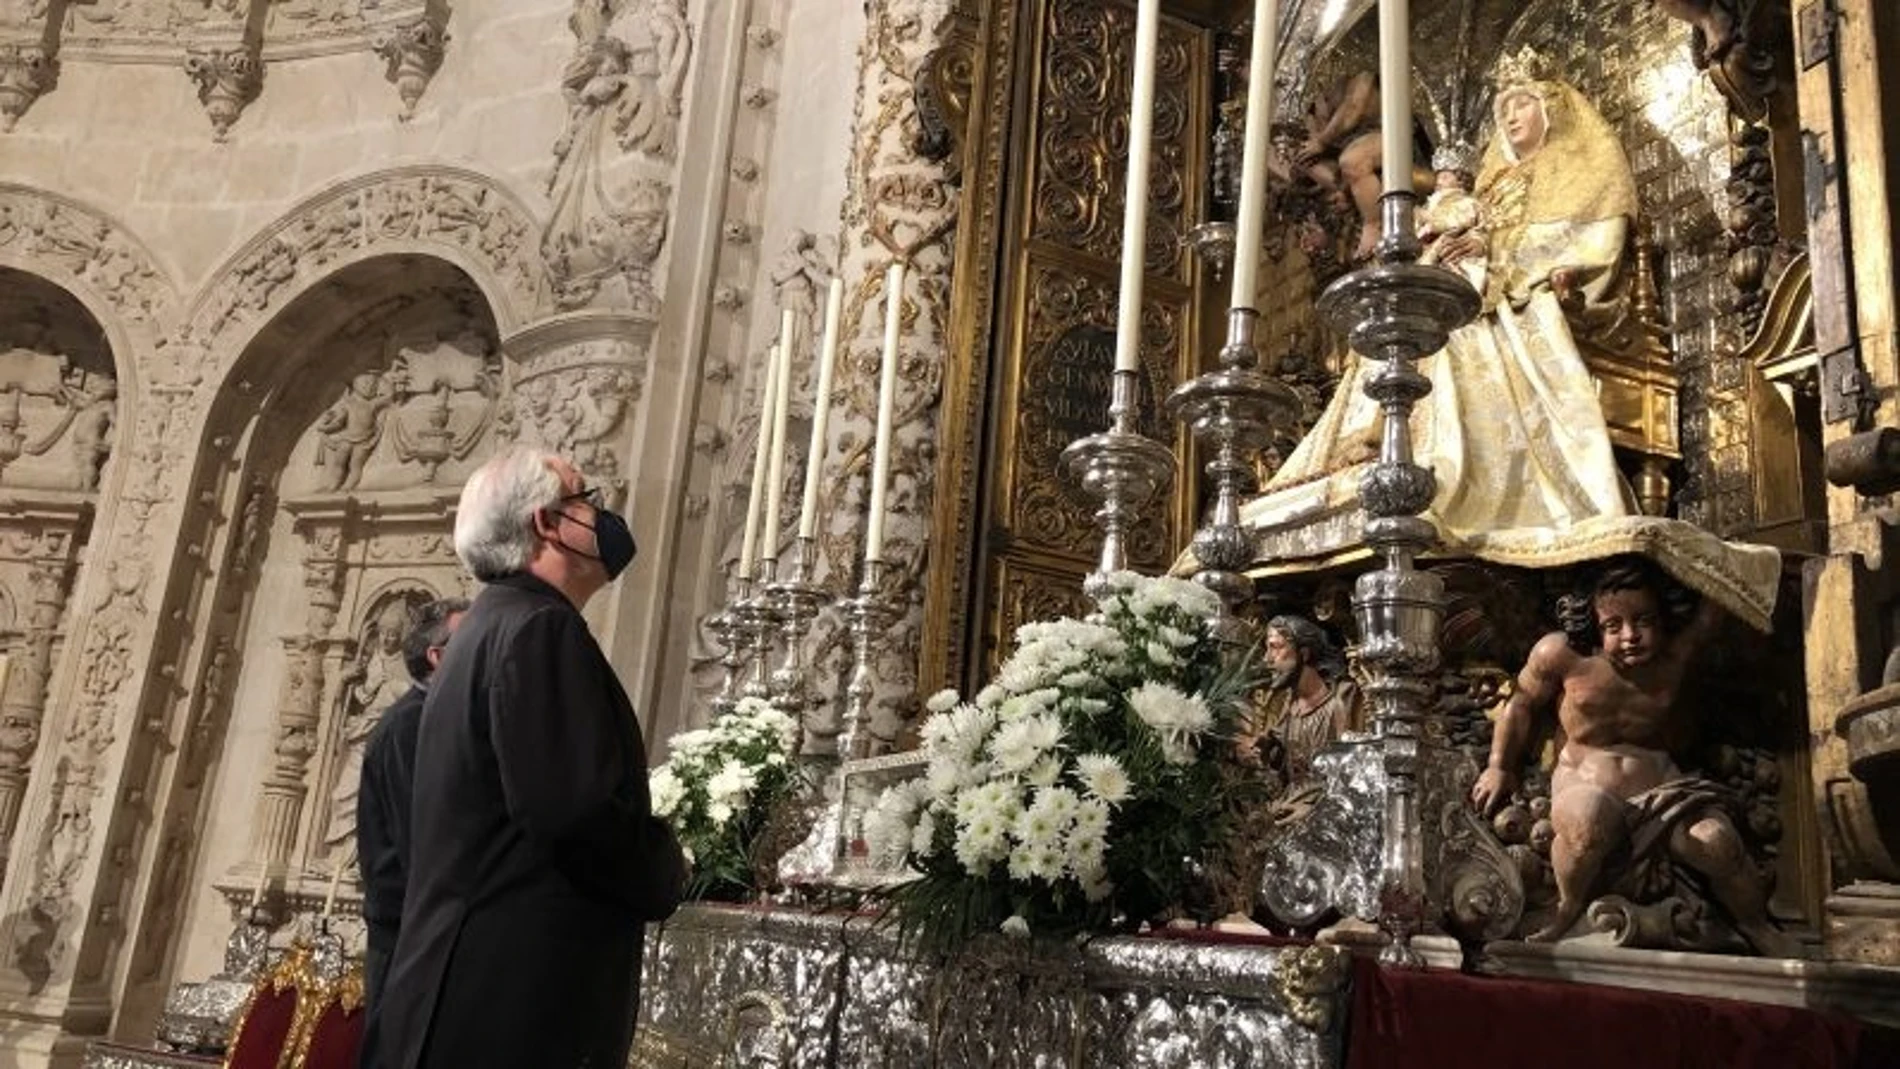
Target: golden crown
(1523, 68)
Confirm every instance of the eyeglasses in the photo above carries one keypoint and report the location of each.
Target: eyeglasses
(591, 495)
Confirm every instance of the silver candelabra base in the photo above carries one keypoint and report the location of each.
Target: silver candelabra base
(1123, 470)
(1232, 411)
(1394, 312)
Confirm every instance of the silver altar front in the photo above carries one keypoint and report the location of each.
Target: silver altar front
(757, 987)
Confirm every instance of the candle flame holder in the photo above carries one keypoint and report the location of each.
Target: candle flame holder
(1395, 312)
(734, 642)
(1123, 470)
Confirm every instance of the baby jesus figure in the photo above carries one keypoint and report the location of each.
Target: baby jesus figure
(1452, 212)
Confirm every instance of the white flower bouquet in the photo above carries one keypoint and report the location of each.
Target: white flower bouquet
(1076, 791)
(719, 786)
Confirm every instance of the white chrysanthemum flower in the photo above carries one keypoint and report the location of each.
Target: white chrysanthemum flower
(1044, 773)
(981, 843)
(719, 813)
(731, 783)
(1088, 825)
(1179, 719)
(943, 699)
(924, 835)
(1019, 744)
(1058, 803)
(890, 820)
(944, 775)
(1038, 827)
(1103, 776)
(1037, 861)
(1159, 653)
(1175, 637)
(667, 791)
(1015, 926)
(990, 697)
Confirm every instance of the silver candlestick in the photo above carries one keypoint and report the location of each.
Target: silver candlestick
(734, 640)
(1122, 469)
(1233, 412)
(870, 615)
(797, 600)
(758, 617)
(1395, 312)
(815, 862)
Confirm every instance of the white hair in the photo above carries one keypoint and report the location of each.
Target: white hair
(494, 522)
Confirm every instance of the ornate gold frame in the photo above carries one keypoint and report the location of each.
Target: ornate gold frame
(984, 65)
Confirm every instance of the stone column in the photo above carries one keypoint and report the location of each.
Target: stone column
(24, 704)
(300, 708)
(899, 206)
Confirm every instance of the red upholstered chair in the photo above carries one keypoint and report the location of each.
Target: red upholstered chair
(330, 1031)
(266, 1026)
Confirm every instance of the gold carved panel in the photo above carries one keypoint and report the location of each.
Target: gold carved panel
(1052, 353)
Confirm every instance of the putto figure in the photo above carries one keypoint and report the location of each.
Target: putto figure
(1618, 800)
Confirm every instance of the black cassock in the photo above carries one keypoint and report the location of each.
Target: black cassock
(382, 844)
(535, 859)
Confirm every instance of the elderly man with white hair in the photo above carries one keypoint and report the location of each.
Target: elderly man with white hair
(536, 860)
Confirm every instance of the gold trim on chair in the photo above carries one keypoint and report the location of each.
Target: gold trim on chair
(314, 1000)
(284, 975)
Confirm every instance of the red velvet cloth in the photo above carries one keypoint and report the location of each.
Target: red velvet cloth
(259, 1043)
(335, 1039)
(1425, 1019)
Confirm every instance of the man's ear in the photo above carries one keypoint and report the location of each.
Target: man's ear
(544, 524)
(434, 656)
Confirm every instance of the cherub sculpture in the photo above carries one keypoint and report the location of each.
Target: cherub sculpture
(1618, 799)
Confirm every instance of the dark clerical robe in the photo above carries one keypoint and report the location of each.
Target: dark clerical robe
(535, 859)
(382, 843)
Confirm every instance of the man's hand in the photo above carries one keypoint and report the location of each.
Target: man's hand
(1311, 153)
(1493, 789)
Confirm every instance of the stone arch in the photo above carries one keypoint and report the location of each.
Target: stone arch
(280, 719)
(100, 261)
(467, 218)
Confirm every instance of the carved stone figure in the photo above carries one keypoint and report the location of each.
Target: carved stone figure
(1517, 482)
(1452, 212)
(1314, 703)
(93, 403)
(376, 679)
(349, 430)
(623, 87)
(801, 275)
(1342, 151)
(1620, 807)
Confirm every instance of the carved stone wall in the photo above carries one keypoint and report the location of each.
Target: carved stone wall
(200, 694)
(793, 75)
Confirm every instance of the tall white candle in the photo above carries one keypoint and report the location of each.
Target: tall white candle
(761, 455)
(781, 406)
(1141, 121)
(1395, 94)
(886, 407)
(821, 410)
(1253, 161)
(336, 881)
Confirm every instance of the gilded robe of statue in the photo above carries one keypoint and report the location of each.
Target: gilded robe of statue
(1512, 429)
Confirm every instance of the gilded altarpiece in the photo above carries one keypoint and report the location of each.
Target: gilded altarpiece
(1053, 347)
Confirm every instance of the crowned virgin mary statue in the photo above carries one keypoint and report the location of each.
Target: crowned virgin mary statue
(1512, 428)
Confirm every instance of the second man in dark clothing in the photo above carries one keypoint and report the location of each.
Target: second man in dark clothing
(382, 808)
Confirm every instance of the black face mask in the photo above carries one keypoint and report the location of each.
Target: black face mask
(613, 541)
